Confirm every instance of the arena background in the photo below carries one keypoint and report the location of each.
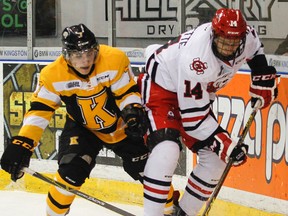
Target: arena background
(27, 45)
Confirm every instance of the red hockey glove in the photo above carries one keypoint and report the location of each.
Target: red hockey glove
(226, 148)
(16, 156)
(221, 143)
(263, 86)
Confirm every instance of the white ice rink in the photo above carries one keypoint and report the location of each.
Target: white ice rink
(16, 203)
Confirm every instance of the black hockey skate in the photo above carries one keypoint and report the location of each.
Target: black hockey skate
(177, 211)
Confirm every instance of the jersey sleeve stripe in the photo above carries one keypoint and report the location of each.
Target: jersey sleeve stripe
(195, 126)
(128, 100)
(26, 132)
(44, 93)
(195, 109)
(203, 129)
(122, 82)
(193, 119)
(36, 121)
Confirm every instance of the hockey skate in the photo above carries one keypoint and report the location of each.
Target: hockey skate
(177, 211)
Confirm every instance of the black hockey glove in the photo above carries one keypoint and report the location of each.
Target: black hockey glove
(238, 154)
(16, 156)
(135, 118)
(263, 86)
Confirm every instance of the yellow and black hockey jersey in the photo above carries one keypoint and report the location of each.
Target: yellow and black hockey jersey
(94, 101)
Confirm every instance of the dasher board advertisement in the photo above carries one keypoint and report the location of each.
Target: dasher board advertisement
(160, 18)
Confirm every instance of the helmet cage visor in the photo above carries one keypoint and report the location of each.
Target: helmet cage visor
(77, 54)
(228, 48)
(229, 33)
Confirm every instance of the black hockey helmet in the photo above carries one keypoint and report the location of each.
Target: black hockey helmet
(78, 38)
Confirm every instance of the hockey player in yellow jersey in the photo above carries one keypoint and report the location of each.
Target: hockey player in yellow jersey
(103, 105)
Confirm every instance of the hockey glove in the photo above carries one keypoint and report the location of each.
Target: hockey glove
(221, 143)
(263, 86)
(16, 156)
(226, 148)
(135, 118)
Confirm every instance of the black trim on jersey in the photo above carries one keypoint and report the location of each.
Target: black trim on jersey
(196, 109)
(155, 181)
(154, 68)
(197, 125)
(40, 106)
(153, 72)
(132, 89)
(55, 203)
(149, 61)
(146, 75)
(74, 110)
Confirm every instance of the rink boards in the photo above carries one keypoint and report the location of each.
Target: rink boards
(261, 183)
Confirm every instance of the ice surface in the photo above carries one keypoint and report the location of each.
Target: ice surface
(16, 203)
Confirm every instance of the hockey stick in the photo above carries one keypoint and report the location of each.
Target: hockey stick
(76, 192)
(230, 163)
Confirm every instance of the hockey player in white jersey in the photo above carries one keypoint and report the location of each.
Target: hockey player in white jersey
(178, 87)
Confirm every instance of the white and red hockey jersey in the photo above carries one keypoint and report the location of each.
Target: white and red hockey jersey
(188, 67)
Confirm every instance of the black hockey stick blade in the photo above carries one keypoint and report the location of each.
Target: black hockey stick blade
(230, 162)
(76, 192)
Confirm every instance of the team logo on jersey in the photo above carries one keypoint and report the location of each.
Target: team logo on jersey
(170, 115)
(219, 83)
(198, 66)
(103, 78)
(74, 140)
(73, 84)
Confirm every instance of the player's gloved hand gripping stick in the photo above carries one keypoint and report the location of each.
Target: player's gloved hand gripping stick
(230, 162)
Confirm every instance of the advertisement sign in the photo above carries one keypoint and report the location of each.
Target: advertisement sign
(46, 53)
(160, 18)
(13, 17)
(139, 19)
(265, 171)
(15, 53)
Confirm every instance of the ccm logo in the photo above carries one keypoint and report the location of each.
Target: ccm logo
(22, 143)
(264, 77)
